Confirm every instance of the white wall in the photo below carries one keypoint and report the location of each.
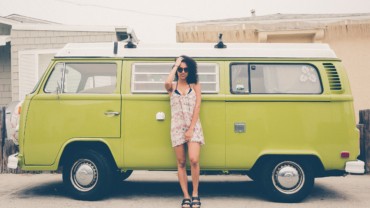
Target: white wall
(32, 64)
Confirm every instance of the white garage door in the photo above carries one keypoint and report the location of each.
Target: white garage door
(32, 65)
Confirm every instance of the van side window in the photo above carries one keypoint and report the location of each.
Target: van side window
(277, 79)
(150, 77)
(55, 79)
(239, 78)
(72, 79)
(88, 78)
(284, 78)
(209, 77)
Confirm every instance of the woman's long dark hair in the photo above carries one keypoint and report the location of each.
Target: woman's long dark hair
(192, 77)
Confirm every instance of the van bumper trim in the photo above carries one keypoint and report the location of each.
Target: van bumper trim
(13, 161)
(356, 167)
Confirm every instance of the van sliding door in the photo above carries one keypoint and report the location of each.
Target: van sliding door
(272, 108)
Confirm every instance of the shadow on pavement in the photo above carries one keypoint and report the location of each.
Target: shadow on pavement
(135, 189)
(52, 189)
(321, 192)
(172, 189)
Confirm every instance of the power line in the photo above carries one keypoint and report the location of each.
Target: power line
(120, 9)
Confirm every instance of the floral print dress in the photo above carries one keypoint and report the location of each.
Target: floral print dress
(182, 108)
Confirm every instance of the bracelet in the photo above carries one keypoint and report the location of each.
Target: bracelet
(175, 66)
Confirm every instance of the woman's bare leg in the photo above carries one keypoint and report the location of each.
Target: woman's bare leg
(181, 169)
(194, 152)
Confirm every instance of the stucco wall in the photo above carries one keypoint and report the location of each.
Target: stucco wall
(26, 40)
(5, 84)
(351, 43)
(350, 39)
(355, 55)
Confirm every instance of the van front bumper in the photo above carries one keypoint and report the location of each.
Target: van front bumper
(356, 167)
(13, 161)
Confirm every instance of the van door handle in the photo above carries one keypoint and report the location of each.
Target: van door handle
(111, 113)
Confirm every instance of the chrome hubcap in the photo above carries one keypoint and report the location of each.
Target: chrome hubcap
(84, 175)
(288, 177)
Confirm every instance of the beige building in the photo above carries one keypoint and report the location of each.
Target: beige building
(347, 34)
(27, 45)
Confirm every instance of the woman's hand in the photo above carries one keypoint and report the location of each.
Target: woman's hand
(171, 76)
(178, 61)
(189, 134)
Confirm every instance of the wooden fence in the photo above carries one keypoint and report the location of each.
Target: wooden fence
(2, 137)
(364, 127)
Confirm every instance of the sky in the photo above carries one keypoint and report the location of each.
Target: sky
(154, 21)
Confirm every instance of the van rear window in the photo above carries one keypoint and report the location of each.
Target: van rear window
(150, 77)
(274, 79)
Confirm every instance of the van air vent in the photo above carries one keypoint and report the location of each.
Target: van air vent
(333, 76)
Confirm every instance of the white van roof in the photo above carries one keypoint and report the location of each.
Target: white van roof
(199, 50)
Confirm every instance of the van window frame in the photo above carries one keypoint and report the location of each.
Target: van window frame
(170, 64)
(49, 75)
(63, 75)
(230, 78)
(271, 63)
(133, 73)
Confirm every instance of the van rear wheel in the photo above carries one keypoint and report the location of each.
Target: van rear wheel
(87, 175)
(287, 180)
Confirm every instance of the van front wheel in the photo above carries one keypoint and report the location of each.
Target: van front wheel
(287, 180)
(87, 175)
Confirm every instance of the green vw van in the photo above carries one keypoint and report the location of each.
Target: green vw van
(281, 113)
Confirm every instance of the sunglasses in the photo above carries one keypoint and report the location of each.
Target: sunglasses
(180, 70)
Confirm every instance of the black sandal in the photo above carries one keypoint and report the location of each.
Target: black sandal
(186, 202)
(197, 202)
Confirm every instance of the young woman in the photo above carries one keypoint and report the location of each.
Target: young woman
(186, 130)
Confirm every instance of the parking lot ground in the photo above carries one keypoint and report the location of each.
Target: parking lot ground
(147, 189)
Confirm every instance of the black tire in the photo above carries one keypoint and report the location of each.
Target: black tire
(87, 175)
(286, 180)
(123, 175)
(253, 176)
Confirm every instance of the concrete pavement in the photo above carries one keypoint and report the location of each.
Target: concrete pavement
(146, 189)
